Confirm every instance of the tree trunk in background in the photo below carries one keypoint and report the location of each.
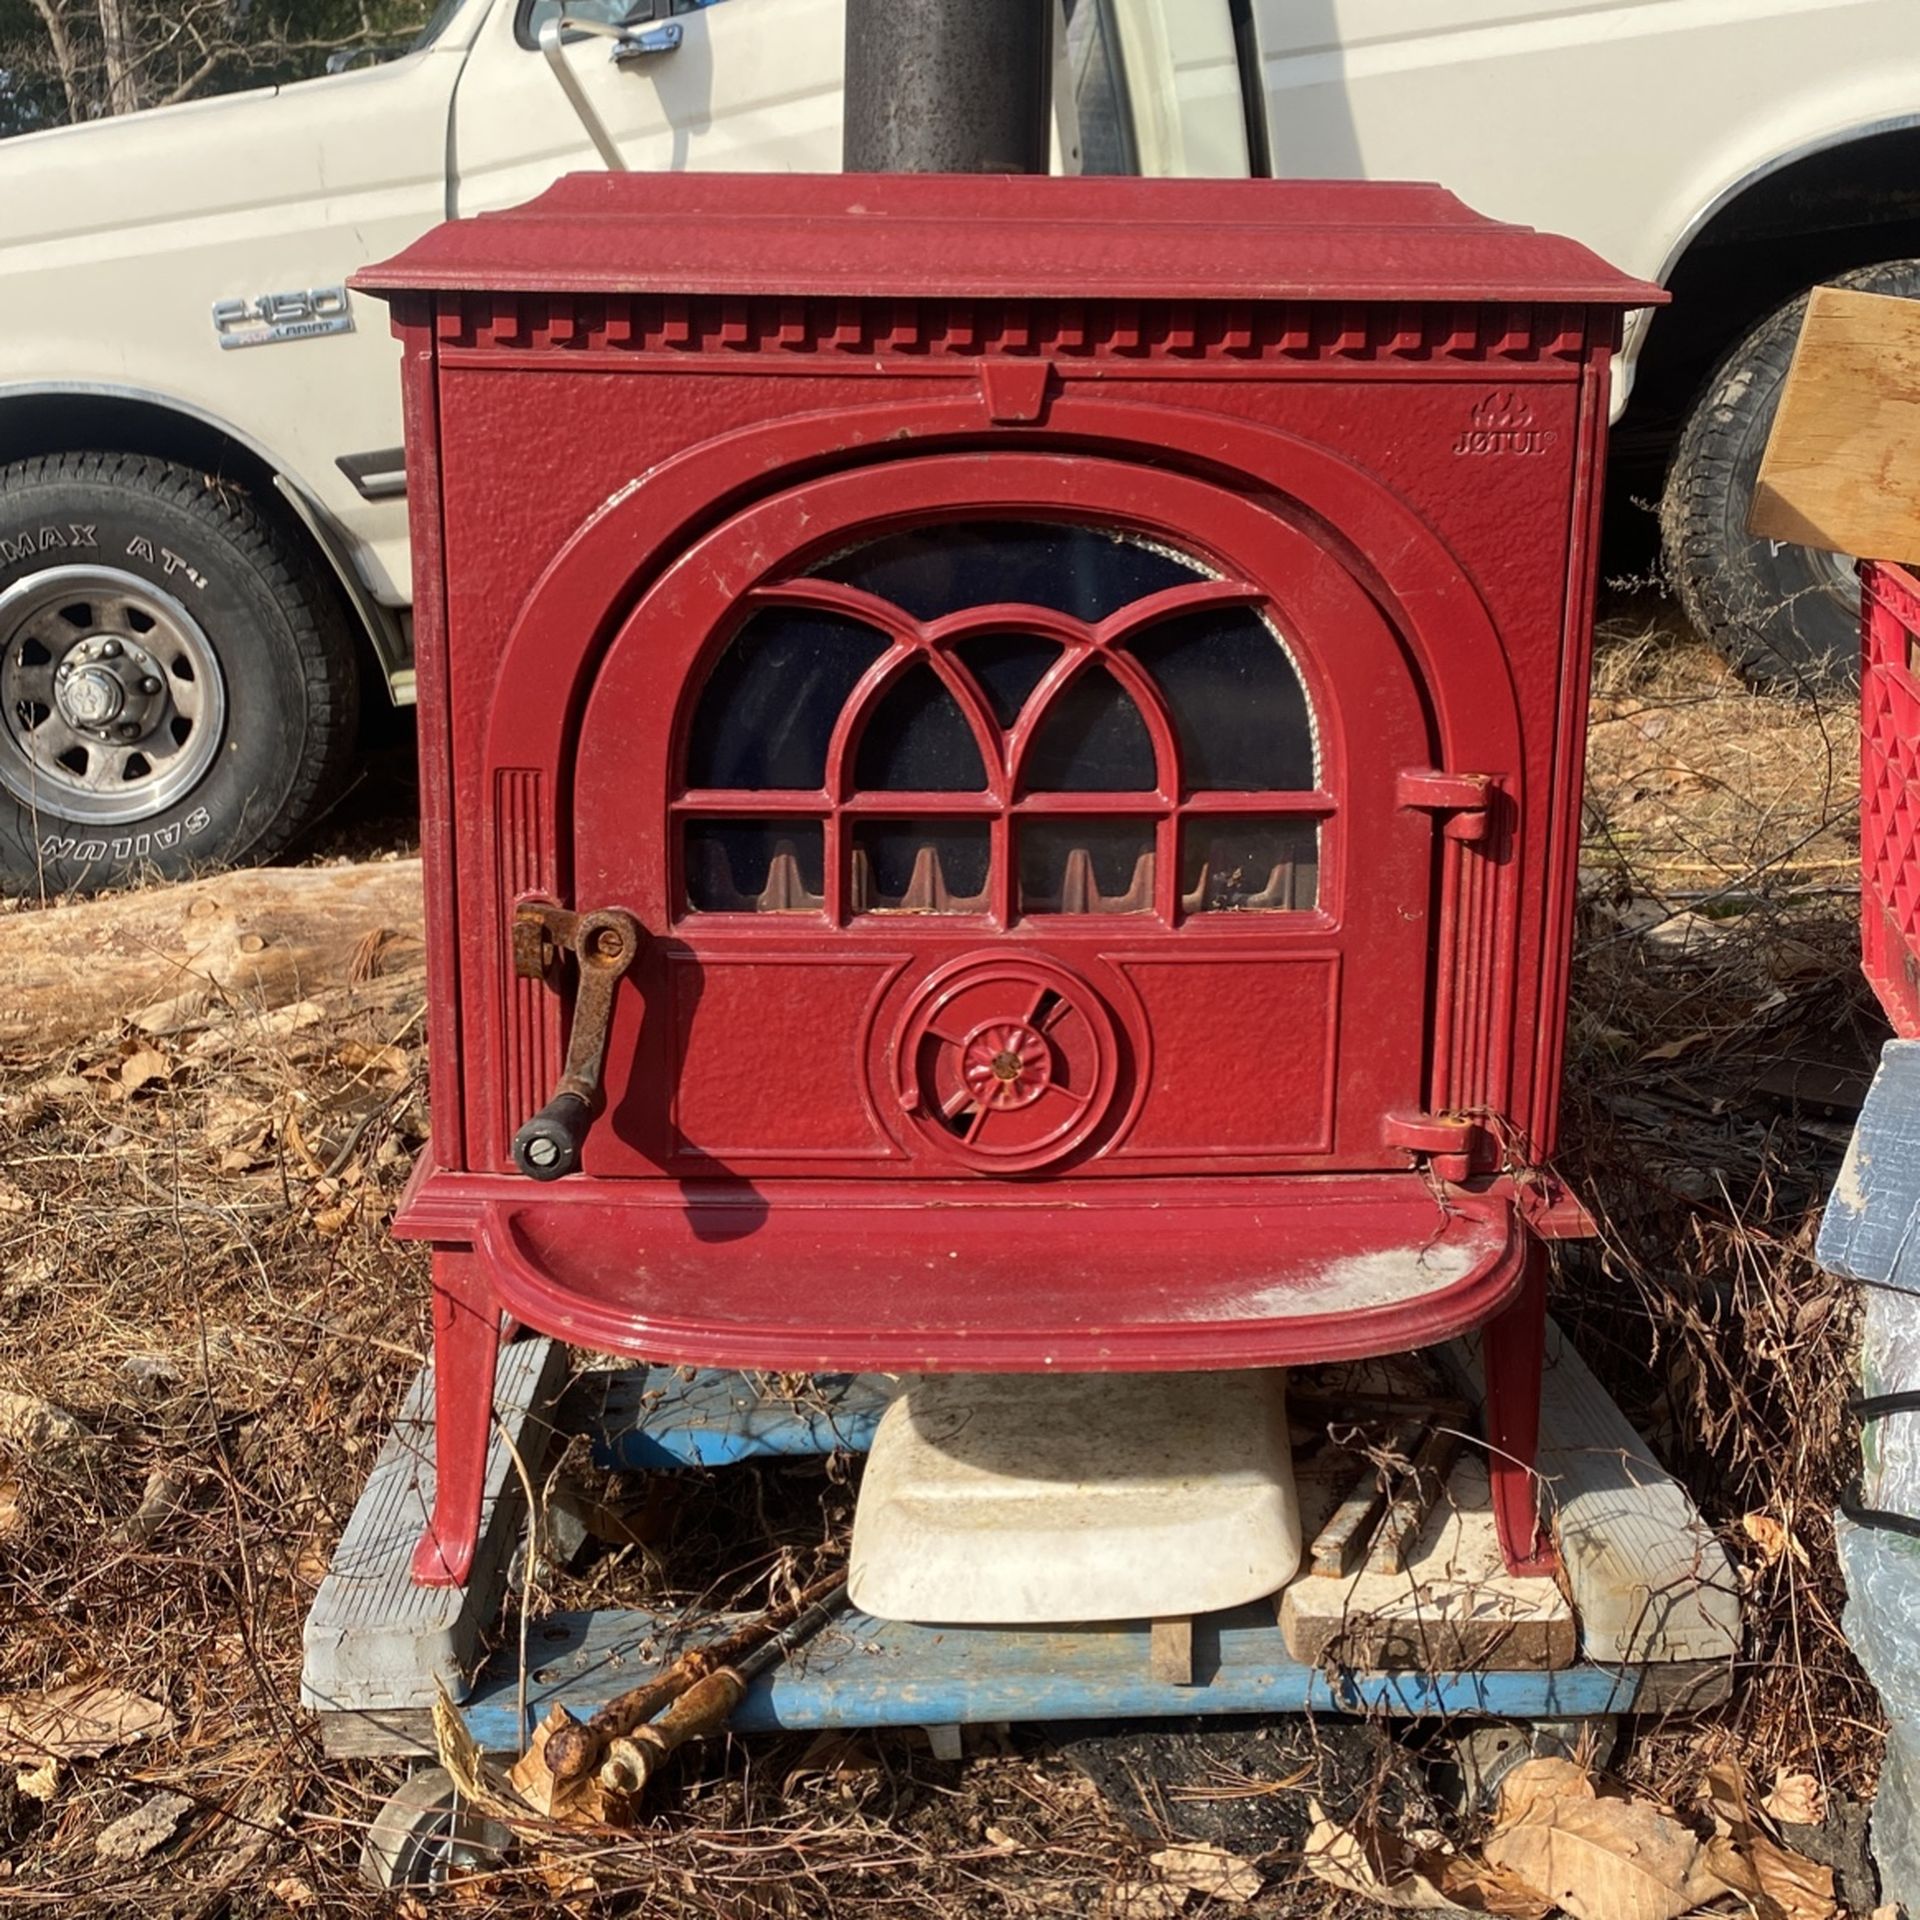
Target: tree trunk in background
(66, 59)
(117, 48)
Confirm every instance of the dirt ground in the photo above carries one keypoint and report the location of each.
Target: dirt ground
(194, 1273)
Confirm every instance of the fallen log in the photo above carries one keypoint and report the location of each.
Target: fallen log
(162, 958)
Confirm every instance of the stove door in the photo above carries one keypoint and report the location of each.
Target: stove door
(1009, 815)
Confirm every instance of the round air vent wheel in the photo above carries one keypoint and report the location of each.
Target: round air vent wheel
(1006, 1065)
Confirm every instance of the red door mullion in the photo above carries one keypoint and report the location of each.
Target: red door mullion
(1066, 800)
(1001, 879)
(1166, 870)
(943, 804)
(1310, 802)
(779, 803)
(835, 882)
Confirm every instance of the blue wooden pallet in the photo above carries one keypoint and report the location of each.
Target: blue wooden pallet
(872, 1673)
(881, 1673)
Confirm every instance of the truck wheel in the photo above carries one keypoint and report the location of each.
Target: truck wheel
(1785, 616)
(177, 683)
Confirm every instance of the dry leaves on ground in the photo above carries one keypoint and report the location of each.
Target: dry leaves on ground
(1395, 1872)
(1602, 1859)
(1210, 1870)
(1561, 1842)
(144, 1067)
(76, 1721)
(35, 1427)
(1795, 1799)
(1773, 1539)
(1782, 1884)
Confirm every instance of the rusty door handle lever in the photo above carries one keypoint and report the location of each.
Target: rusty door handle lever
(603, 946)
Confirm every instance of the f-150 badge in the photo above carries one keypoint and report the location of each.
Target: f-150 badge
(270, 317)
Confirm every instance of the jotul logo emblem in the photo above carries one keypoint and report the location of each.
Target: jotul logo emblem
(1503, 423)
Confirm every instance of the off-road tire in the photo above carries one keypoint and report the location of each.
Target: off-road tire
(1784, 616)
(277, 631)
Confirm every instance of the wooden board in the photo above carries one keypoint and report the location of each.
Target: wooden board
(1453, 1605)
(1649, 1578)
(1867, 1232)
(374, 1641)
(1842, 465)
(1170, 1651)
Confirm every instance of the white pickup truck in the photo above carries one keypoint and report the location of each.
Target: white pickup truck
(203, 541)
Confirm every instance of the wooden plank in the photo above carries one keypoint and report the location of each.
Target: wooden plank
(1842, 465)
(1170, 1651)
(1868, 1230)
(1650, 1582)
(374, 1641)
(1453, 1604)
(1344, 1538)
(1413, 1500)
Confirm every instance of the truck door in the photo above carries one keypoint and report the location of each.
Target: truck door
(756, 85)
(1630, 99)
(750, 84)
(1181, 65)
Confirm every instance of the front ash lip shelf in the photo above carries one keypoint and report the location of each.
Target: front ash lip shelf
(1078, 686)
(1264, 1273)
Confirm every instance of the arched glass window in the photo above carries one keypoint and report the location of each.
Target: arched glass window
(1003, 718)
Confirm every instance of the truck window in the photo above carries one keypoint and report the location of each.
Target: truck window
(1099, 89)
(436, 25)
(534, 14)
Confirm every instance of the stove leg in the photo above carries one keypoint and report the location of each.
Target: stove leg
(1512, 1352)
(466, 1343)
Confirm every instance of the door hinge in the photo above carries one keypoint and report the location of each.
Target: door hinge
(1464, 799)
(1445, 1140)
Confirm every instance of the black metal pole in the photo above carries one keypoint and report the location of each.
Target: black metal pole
(949, 86)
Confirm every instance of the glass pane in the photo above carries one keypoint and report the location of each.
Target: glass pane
(755, 866)
(1239, 711)
(920, 866)
(1088, 572)
(1086, 866)
(536, 16)
(1244, 864)
(917, 740)
(1092, 740)
(767, 711)
(1008, 667)
(1099, 91)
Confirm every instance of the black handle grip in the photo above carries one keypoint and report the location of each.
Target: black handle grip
(548, 1146)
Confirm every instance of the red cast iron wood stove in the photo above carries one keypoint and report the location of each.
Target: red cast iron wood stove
(1017, 742)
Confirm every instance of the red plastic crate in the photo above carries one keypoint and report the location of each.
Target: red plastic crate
(1890, 791)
